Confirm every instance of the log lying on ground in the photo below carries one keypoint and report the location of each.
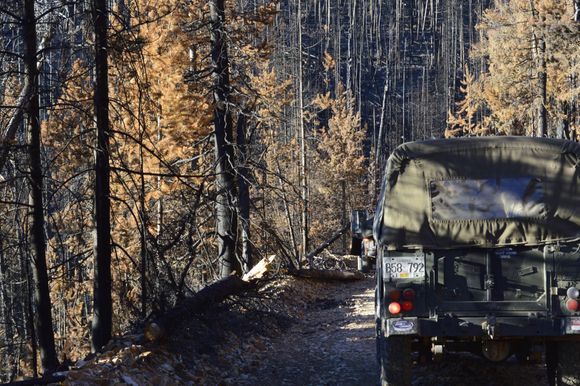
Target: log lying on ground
(205, 298)
(45, 380)
(329, 274)
(326, 244)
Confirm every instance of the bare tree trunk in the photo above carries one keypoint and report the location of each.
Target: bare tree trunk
(542, 86)
(226, 222)
(244, 194)
(30, 321)
(6, 321)
(303, 168)
(143, 219)
(288, 217)
(21, 103)
(540, 55)
(41, 292)
(344, 219)
(102, 321)
(577, 10)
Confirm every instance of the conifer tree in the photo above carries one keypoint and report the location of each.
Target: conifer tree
(529, 83)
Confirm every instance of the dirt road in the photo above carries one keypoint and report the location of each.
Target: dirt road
(334, 344)
(323, 335)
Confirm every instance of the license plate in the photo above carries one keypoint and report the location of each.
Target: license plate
(404, 267)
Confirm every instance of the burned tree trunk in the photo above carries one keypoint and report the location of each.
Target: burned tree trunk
(244, 193)
(542, 86)
(302, 137)
(225, 173)
(41, 293)
(103, 309)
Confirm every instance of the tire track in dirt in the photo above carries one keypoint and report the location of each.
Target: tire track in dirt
(333, 344)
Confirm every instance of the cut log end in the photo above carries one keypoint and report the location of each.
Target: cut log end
(260, 269)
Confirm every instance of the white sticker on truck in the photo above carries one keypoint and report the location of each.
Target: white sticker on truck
(572, 325)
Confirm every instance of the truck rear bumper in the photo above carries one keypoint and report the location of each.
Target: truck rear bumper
(512, 326)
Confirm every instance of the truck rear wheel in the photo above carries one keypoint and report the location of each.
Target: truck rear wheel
(395, 360)
(568, 366)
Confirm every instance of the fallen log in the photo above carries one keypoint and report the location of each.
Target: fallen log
(45, 380)
(201, 301)
(326, 244)
(329, 274)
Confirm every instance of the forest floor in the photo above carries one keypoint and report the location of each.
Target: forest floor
(292, 332)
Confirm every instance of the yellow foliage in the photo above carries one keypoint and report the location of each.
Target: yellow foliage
(508, 91)
(328, 61)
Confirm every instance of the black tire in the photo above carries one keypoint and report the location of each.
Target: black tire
(395, 360)
(568, 364)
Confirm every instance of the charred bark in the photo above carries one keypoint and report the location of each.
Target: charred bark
(244, 194)
(226, 221)
(542, 86)
(101, 326)
(41, 293)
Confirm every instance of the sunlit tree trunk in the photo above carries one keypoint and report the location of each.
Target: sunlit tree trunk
(303, 167)
(542, 89)
(226, 221)
(540, 56)
(244, 194)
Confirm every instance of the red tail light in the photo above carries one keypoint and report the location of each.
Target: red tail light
(407, 306)
(572, 305)
(394, 295)
(409, 294)
(394, 308)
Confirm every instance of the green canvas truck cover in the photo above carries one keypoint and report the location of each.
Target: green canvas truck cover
(484, 192)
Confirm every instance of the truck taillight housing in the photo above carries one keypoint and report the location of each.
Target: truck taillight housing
(573, 293)
(395, 308)
(407, 306)
(409, 294)
(394, 295)
(572, 305)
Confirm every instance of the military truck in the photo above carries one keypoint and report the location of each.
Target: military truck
(478, 249)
